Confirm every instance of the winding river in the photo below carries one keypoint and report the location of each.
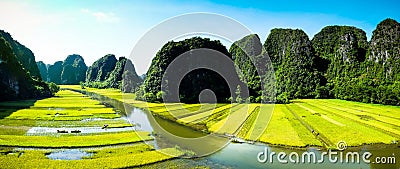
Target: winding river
(236, 155)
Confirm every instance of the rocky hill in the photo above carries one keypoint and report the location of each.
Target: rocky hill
(16, 80)
(43, 70)
(108, 72)
(54, 72)
(101, 69)
(193, 82)
(292, 56)
(246, 53)
(74, 70)
(24, 55)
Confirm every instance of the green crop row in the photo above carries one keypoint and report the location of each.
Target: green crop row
(336, 128)
(68, 141)
(248, 124)
(125, 157)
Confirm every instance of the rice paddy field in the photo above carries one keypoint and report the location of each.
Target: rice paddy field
(62, 121)
(302, 123)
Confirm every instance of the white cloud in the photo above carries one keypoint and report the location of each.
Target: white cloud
(106, 17)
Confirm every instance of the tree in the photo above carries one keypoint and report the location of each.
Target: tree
(238, 95)
(193, 82)
(53, 88)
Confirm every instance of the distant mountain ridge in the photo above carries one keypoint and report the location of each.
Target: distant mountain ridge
(24, 55)
(338, 62)
(19, 74)
(108, 72)
(70, 71)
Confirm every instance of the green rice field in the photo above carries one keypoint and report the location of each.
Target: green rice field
(72, 109)
(302, 123)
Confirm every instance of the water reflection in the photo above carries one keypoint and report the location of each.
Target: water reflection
(234, 155)
(73, 154)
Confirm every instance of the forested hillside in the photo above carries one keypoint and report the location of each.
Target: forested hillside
(74, 70)
(247, 52)
(16, 80)
(54, 72)
(24, 55)
(43, 70)
(101, 69)
(341, 51)
(338, 62)
(192, 83)
(292, 56)
(359, 70)
(70, 71)
(108, 72)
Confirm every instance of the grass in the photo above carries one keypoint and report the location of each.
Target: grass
(170, 111)
(216, 120)
(353, 133)
(385, 123)
(117, 151)
(248, 124)
(69, 141)
(23, 103)
(66, 114)
(261, 122)
(121, 157)
(114, 94)
(234, 121)
(13, 130)
(291, 125)
(40, 123)
(73, 109)
(66, 106)
(202, 115)
(285, 129)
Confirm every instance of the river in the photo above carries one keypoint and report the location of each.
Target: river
(220, 153)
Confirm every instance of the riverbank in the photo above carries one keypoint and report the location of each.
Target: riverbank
(32, 131)
(301, 124)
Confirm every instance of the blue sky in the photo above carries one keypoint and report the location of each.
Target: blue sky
(94, 28)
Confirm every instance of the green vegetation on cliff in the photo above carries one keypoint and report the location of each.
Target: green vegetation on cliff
(193, 82)
(340, 50)
(23, 54)
(292, 56)
(107, 72)
(74, 70)
(42, 69)
(358, 70)
(54, 72)
(247, 52)
(101, 69)
(16, 81)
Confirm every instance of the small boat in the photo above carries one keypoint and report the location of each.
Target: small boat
(238, 140)
(250, 142)
(75, 131)
(62, 131)
(105, 126)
